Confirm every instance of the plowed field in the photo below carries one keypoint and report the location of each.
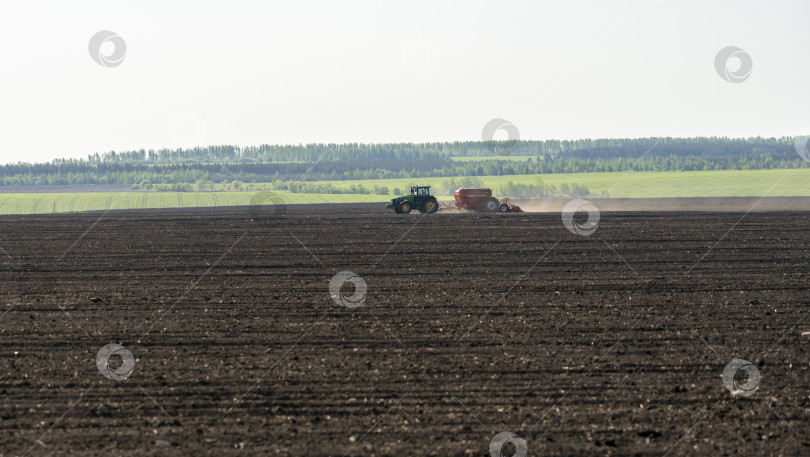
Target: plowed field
(471, 325)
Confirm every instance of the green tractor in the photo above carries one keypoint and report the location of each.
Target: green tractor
(420, 199)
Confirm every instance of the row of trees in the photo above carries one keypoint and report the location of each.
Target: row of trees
(270, 153)
(165, 174)
(584, 148)
(183, 167)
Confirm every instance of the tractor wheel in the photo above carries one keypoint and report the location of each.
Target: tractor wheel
(504, 208)
(404, 207)
(396, 209)
(491, 205)
(429, 205)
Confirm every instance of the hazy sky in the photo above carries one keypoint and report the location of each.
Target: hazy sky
(231, 72)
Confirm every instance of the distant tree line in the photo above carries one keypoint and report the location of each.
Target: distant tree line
(269, 153)
(585, 148)
(180, 169)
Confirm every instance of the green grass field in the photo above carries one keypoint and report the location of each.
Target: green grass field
(89, 201)
(724, 183)
(727, 183)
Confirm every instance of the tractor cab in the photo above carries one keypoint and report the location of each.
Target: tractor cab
(420, 191)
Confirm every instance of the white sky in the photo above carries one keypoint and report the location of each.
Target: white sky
(238, 72)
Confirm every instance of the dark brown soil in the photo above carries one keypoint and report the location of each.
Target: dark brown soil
(474, 324)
